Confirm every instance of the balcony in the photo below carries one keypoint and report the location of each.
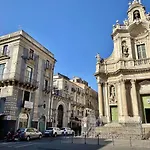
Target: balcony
(14, 79)
(131, 65)
(4, 55)
(47, 90)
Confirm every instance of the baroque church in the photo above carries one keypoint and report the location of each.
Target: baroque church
(124, 78)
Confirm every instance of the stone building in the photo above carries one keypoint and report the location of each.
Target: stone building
(26, 78)
(69, 102)
(124, 78)
(91, 96)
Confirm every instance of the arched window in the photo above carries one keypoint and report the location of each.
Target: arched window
(136, 15)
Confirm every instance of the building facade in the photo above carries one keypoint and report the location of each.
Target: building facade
(26, 78)
(91, 96)
(124, 78)
(70, 104)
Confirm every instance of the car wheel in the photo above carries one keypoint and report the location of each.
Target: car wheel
(28, 138)
(40, 136)
(66, 133)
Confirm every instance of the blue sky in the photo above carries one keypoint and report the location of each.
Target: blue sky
(73, 30)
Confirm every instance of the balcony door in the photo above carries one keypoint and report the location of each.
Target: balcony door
(29, 72)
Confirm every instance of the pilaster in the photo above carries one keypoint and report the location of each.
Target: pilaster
(124, 98)
(134, 101)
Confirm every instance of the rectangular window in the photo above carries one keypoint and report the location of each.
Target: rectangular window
(82, 113)
(78, 112)
(29, 72)
(45, 84)
(5, 49)
(47, 64)
(26, 96)
(31, 54)
(141, 51)
(2, 66)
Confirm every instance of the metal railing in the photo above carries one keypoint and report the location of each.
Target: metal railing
(18, 77)
(47, 89)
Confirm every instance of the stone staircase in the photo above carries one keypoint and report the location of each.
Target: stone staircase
(118, 131)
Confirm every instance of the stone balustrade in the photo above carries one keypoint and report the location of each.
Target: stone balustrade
(122, 64)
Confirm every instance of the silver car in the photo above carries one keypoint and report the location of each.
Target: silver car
(29, 133)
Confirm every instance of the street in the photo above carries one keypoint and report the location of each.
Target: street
(66, 143)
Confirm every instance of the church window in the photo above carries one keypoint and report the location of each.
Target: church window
(136, 15)
(141, 51)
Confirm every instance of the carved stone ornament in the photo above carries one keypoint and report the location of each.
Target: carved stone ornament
(98, 58)
(126, 22)
(148, 16)
(112, 100)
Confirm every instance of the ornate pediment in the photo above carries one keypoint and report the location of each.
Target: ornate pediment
(145, 82)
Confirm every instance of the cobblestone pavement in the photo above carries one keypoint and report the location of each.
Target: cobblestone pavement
(62, 143)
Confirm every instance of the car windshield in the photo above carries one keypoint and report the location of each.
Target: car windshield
(49, 128)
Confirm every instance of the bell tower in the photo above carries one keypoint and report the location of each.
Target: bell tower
(136, 12)
(131, 37)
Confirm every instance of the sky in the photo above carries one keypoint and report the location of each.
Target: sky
(73, 30)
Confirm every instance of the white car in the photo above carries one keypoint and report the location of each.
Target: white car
(67, 131)
(53, 131)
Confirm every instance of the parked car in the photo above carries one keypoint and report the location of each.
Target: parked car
(67, 131)
(29, 133)
(52, 131)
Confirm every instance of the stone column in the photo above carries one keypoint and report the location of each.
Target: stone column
(134, 99)
(107, 109)
(119, 100)
(100, 100)
(124, 99)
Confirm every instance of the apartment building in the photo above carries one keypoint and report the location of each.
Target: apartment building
(70, 103)
(26, 80)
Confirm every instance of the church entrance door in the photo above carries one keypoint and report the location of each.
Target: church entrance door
(114, 113)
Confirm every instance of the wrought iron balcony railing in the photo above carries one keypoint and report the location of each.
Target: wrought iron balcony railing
(47, 89)
(16, 79)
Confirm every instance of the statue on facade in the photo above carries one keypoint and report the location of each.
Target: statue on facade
(99, 59)
(125, 49)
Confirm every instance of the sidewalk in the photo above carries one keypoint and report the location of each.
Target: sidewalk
(65, 144)
(111, 143)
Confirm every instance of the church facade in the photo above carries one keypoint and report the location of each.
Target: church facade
(124, 78)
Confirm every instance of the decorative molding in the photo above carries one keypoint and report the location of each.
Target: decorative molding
(145, 82)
